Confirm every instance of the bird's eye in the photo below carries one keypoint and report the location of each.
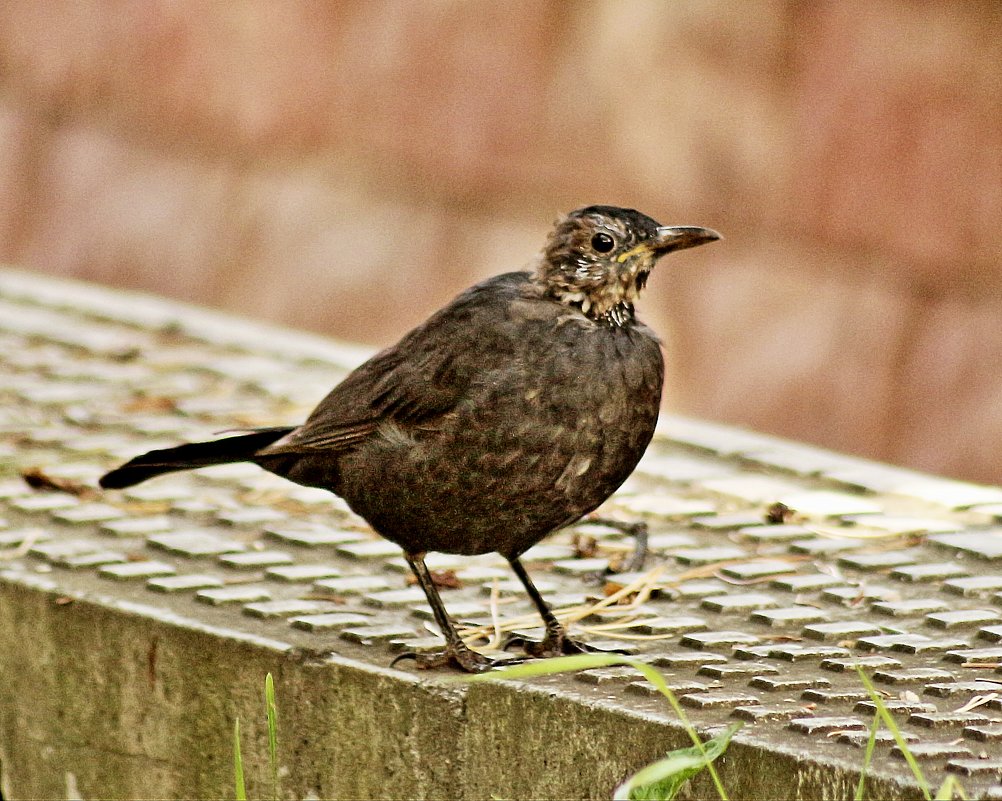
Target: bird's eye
(602, 243)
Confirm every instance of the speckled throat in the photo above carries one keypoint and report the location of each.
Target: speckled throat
(618, 315)
(601, 296)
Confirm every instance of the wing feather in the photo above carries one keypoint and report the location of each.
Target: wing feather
(424, 376)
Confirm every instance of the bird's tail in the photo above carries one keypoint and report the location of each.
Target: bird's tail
(193, 455)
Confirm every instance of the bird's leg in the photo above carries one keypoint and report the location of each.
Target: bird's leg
(456, 652)
(556, 641)
(637, 530)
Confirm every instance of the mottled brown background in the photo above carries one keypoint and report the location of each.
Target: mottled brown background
(346, 167)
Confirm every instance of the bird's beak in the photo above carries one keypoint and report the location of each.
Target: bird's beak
(669, 238)
(680, 237)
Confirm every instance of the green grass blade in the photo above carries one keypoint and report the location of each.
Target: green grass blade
(564, 664)
(950, 788)
(654, 677)
(238, 764)
(888, 721)
(548, 667)
(269, 698)
(871, 745)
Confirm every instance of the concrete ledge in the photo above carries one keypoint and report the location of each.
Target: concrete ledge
(121, 705)
(102, 702)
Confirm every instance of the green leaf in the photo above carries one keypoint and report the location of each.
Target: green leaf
(661, 780)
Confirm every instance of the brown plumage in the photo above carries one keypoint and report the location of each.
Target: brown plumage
(512, 412)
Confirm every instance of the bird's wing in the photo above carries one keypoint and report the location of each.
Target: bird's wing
(422, 377)
(384, 389)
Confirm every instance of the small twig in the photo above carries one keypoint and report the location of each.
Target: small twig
(643, 587)
(21, 550)
(978, 700)
(495, 641)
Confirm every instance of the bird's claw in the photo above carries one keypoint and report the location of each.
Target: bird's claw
(464, 658)
(553, 644)
(514, 640)
(562, 646)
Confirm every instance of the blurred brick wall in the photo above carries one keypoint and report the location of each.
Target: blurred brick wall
(347, 167)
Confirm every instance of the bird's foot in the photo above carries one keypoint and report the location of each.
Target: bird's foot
(636, 562)
(553, 644)
(455, 655)
(637, 529)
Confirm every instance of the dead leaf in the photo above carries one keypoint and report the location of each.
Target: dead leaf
(585, 546)
(151, 403)
(444, 579)
(326, 596)
(37, 478)
(778, 513)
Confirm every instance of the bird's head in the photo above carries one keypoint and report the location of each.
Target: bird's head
(598, 258)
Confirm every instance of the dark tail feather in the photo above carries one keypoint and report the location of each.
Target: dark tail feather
(187, 457)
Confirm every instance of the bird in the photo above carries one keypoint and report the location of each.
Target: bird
(513, 411)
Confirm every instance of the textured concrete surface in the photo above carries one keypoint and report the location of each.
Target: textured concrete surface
(135, 627)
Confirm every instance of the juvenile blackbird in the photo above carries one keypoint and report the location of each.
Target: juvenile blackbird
(510, 413)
